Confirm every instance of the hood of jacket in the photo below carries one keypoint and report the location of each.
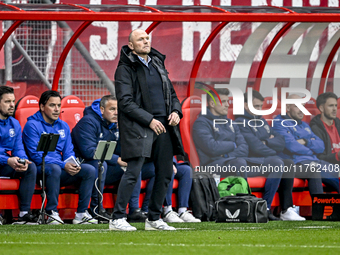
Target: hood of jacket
(94, 110)
(286, 117)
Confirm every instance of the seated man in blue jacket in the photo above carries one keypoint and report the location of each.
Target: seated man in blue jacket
(11, 142)
(303, 146)
(57, 172)
(224, 145)
(100, 122)
(263, 141)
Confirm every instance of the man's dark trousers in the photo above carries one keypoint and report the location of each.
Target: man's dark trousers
(162, 154)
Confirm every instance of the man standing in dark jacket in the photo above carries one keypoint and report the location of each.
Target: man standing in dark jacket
(100, 122)
(149, 114)
(327, 126)
(264, 142)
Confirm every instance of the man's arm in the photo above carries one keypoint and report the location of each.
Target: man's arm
(67, 151)
(176, 105)
(315, 144)
(291, 142)
(204, 139)
(322, 134)
(255, 145)
(277, 142)
(241, 149)
(124, 93)
(18, 149)
(86, 136)
(3, 159)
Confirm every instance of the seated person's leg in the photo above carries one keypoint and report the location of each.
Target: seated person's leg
(273, 178)
(286, 185)
(135, 213)
(52, 184)
(229, 167)
(329, 177)
(85, 178)
(314, 178)
(183, 176)
(184, 187)
(236, 164)
(26, 188)
(272, 181)
(288, 213)
(114, 174)
(94, 196)
(168, 214)
(330, 181)
(148, 173)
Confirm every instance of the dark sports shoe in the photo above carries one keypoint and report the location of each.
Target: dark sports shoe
(271, 217)
(103, 216)
(27, 219)
(2, 221)
(137, 216)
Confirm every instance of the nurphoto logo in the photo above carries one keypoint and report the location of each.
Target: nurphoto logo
(238, 105)
(238, 100)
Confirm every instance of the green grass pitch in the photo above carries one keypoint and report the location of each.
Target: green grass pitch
(309, 237)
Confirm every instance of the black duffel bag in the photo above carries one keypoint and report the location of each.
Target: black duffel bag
(241, 208)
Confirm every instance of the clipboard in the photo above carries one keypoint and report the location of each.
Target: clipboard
(104, 147)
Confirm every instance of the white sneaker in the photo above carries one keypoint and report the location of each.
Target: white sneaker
(172, 217)
(157, 225)
(188, 217)
(54, 219)
(121, 225)
(86, 218)
(291, 215)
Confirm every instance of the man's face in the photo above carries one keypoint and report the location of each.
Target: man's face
(110, 111)
(257, 103)
(218, 109)
(329, 109)
(294, 112)
(51, 110)
(7, 105)
(140, 42)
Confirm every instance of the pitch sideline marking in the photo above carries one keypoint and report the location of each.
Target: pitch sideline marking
(181, 245)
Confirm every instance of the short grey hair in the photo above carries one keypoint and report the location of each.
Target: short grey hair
(106, 98)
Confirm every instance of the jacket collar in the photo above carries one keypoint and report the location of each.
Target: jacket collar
(211, 116)
(299, 122)
(5, 121)
(127, 57)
